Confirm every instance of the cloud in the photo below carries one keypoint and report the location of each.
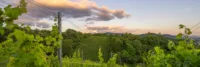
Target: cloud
(113, 29)
(89, 10)
(43, 25)
(90, 23)
(31, 21)
(11, 2)
(120, 29)
(75, 9)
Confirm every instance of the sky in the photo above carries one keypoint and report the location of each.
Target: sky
(156, 15)
(119, 16)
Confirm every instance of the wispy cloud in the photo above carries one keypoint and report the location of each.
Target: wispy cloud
(89, 10)
(113, 29)
(77, 9)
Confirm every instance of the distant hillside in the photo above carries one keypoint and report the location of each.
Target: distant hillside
(155, 34)
(169, 36)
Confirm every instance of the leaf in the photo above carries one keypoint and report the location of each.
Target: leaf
(188, 31)
(48, 40)
(9, 24)
(100, 56)
(171, 45)
(181, 26)
(179, 36)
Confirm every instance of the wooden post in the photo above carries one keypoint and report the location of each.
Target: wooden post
(60, 32)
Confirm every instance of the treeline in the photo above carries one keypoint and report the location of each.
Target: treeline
(130, 48)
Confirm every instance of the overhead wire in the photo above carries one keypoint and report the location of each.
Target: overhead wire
(196, 29)
(40, 5)
(47, 8)
(195, 26)
(67, 18)
(27, 16)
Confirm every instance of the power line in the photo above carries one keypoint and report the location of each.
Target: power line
(29, 17)
(196, 29)
(40, 5)
(43, 7)
(48, 9)
(195, 25)
(68, 19)
(72, 23)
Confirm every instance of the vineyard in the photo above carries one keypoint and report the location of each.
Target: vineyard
(20, 46)
(23, 49)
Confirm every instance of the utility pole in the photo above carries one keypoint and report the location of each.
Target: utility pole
(60, 32)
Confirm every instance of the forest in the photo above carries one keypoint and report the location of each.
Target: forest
(21, 46)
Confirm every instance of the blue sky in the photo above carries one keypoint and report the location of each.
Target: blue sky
(155, 15)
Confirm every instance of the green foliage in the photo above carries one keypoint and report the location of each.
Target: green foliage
(90, 46)
(22, 49)
(179, 36)
(186, 34)
(100, 56)
(67, 49)
(152, 60)
(112, 61)
(171, 45)
(21, 46)
(77, 54)
(183, 54)
(181, 26)
(75, 62)
(115, 44)
(9, 14)
(78, 62)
